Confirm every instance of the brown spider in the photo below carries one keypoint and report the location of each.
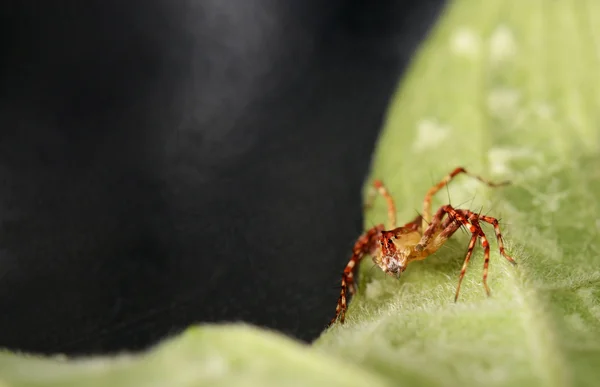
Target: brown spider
(393, 250)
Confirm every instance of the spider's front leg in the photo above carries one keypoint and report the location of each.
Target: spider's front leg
(474, 218)
(379, 188)
(433, 238)
(364, 245)
(439, 230)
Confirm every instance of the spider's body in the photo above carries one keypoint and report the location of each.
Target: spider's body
(396, 249)
(392, 250)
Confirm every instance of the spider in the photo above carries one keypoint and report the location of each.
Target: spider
(394, 249)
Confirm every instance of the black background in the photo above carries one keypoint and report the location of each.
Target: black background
(169, 162)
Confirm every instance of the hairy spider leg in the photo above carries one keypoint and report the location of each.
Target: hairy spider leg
(449, 227)
(494, 222)
(425, 244)
(463, 270)
(455, 219)
(365, 244)
(379, 188)
(447, 222)
(486, 253)
(433, 190)
(475, 218)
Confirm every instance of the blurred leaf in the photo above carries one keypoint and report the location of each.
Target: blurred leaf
(229, 355)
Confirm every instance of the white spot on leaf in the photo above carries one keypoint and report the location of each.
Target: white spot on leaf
(502, 102)
(502, 44)
(465, 42)
(430, 134)
(550, 199)
(544, 111)
(373, 290)
(500, 158)
(215, 366)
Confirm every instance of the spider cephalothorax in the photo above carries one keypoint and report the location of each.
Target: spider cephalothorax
(394, 249)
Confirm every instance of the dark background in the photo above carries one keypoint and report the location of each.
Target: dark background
(169, 162)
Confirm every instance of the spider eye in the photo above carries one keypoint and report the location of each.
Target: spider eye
(390, 241)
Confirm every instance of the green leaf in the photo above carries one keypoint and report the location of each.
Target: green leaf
(507, 89)
(228, 355)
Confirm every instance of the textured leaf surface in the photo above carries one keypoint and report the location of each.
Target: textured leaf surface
(508, 89)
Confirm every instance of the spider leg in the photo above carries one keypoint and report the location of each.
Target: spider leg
(456, 219)
(446, 222)
(494, 222)
(414, 224)
(486, 255)
(463, 270)
(433, 227)
(449, 226)
(364, 245)
(379, 188)
(433, 190)
(475, 218)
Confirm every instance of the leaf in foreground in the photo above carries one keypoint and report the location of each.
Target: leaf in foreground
(229, 355)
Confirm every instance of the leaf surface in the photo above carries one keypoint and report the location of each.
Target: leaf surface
(509, 90)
